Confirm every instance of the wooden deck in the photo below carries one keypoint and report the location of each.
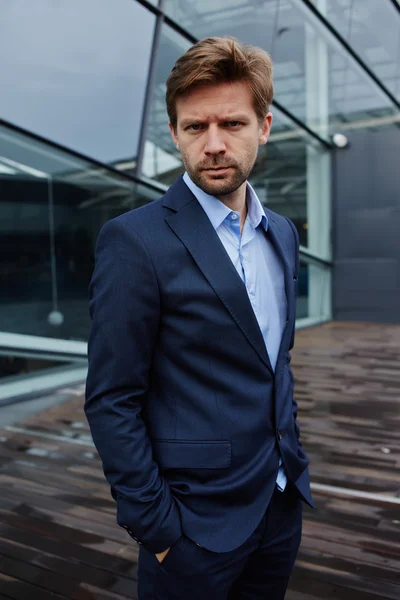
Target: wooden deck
(58, 534)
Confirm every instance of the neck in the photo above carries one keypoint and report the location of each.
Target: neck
(237, 201)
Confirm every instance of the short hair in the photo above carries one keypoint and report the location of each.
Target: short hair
(217, 60)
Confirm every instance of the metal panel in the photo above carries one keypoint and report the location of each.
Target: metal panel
(366, 218)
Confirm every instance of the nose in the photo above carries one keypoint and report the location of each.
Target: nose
(214, 142)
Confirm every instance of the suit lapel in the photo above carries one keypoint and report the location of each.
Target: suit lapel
(191, 224)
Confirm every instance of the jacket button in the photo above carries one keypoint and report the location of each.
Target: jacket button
(279, 434)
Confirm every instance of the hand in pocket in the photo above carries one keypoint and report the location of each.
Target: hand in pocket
(161, 555)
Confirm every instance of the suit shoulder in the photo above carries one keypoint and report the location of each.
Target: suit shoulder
(143, 221)
(139, 217)
(283, 223)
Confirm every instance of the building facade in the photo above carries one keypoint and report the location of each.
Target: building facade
(84, 137)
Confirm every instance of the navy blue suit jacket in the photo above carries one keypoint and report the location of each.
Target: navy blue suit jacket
(185, 410)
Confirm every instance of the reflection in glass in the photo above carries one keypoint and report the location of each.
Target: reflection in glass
(162, 160)
(76, 72)
(314, 77)
(285, 169)
(313, 300)
(373, 29)
(14, 366)
(52, 209)
(282, 173)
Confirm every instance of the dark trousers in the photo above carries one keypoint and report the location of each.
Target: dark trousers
(260, 568)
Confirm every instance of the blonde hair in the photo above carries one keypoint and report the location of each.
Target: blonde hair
(222, 59)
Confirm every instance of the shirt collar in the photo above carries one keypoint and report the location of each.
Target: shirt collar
(217, 211)
(255, 211)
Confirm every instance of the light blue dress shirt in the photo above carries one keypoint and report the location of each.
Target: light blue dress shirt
(257, 264)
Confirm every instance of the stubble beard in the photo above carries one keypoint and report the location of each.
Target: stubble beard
(220, 185)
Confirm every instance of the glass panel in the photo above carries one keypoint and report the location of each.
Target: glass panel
(287, 176)
(70, 72)
(14, 365)
(52, 208)
(373, 29)
(287, 179)
(314, 77)
(255, 21)
(161, 159)
(313, 301)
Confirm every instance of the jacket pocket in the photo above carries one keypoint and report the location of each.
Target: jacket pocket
(182, 454)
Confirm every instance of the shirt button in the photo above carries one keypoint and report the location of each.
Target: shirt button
(234, 216)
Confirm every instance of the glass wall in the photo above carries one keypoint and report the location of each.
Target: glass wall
(13, 366)
(52, 208)
(70, 72)
(373, 29)
(314, 292)
(315, 78)
(287, 174)
(91, 77)
(161, 159)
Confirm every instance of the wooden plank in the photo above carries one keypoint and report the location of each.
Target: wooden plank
(46, 528)
(122, 562)
(20, 500)
(48, 581)
(101, 580)
(58, 532)
(64, 525)
(16, 588)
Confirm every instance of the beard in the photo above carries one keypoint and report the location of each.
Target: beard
(221, 184)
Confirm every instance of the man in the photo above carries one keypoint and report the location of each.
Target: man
(190, 392)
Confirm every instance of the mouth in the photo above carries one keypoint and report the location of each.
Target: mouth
(217, 170)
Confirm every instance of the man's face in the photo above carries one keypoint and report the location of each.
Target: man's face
(218, 135)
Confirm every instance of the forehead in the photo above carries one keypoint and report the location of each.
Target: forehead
(215, 101)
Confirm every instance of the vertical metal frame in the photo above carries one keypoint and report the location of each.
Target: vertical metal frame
(149, 88)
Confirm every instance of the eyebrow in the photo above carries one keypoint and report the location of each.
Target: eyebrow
(227, 118)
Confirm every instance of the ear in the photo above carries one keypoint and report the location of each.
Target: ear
(174, 135)
(265, 129)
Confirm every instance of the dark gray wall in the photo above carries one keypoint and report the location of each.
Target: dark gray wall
(366, 227)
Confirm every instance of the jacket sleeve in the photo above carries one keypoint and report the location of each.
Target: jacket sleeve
(124, 304)
(296, 275)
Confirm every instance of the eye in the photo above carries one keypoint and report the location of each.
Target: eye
(233, 124)
(194, 127)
